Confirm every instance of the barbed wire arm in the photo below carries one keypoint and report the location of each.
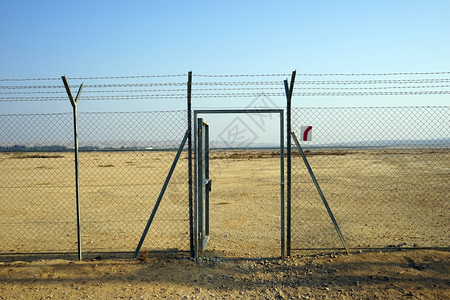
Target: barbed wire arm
(69, 92)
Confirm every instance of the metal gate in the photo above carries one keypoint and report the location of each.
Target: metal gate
(202, 186)
(202, 182)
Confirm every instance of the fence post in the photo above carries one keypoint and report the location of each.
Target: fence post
(282, 213)
(75, 133)
(191, 202)
(289, 92)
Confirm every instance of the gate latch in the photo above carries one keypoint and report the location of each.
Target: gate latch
(207, 184)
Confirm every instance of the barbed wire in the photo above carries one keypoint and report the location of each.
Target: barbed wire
(131, 97)
(320, 74)
(373, 74)
(227, 89)
(141, 84)
(239, 83)
(93, 78)
(127, 77)
(239, 95)
(382, 81)
(226, 76)
(93, 85)
(376, 87)
(328, 82)
(406, 93)
(18, 87)
(92, 91)
(30, 79)
(224, 95)
(240, 75)
(327, 88)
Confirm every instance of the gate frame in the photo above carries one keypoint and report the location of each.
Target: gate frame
(242, 111)
(202, 188)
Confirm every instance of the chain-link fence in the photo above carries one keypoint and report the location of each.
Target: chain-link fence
(385, 172)
(119, 188)
(36, 184)
(123, 162)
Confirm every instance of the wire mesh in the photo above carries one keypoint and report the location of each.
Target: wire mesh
(124, 159)
(36, 184)
(384, 172)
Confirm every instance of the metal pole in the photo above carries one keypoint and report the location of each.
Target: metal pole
(195, 200)
(289, 92)
(319, 190)
(75, 133)
(189, 112)
(199, 183)
(161, 194)
(207, 178)
(283, 242)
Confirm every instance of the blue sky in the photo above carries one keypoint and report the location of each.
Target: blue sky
(121, 38)
(88, 38)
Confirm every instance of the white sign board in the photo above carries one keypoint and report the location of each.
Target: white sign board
(306, 133)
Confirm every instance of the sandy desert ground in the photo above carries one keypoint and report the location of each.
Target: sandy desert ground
(405, 274)
(118, 190)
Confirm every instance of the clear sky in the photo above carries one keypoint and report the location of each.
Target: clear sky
(88, 38)
(121, 38)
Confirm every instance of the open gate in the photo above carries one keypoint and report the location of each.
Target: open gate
(202, 181)
(202, 185)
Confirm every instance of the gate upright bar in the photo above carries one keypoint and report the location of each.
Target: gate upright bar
(199, 183)
(202, 184)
